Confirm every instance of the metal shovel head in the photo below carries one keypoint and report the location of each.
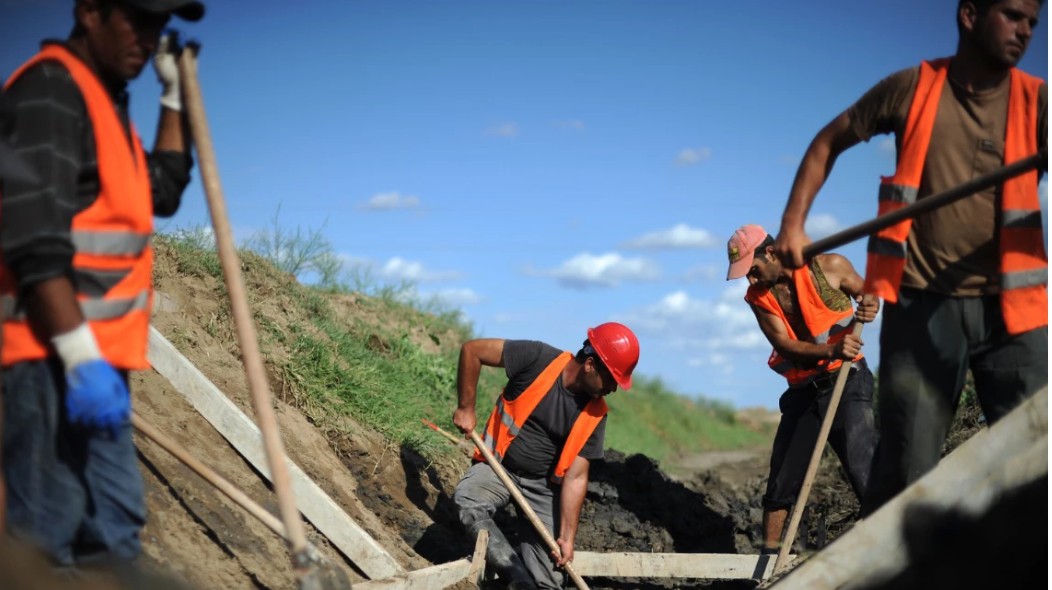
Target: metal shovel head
(325, 575)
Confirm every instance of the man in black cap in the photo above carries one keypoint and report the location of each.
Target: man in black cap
(75, 278)
(11, 166)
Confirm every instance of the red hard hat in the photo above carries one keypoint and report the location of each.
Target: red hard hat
(618, 348)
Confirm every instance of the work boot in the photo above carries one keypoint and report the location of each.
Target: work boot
(501, 557)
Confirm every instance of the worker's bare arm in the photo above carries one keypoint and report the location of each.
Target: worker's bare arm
(571, 498)
(817, 163)
(841, 274)
(473, 355)
(801, 351)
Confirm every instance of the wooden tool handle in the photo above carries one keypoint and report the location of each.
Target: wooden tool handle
(816, 458)
(246, 333)
(523, 505)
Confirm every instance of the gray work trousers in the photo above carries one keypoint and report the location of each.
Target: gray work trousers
(927, 343)
(480, 494)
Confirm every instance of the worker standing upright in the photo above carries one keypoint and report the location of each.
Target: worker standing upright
(75, 283)
(14, 168)
(965, 285)
(548, 423)
(806, 314)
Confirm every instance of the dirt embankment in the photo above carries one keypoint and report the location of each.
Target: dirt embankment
(400, 498)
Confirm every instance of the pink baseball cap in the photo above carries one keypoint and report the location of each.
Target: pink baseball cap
(740, 249)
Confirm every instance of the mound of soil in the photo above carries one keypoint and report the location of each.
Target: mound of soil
(398, 497)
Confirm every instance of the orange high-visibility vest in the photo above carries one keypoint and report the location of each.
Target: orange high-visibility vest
(824, 324)
(111, 238)
(1024, 263)
(509, 416)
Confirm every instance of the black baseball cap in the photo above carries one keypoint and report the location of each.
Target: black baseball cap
(189, 10)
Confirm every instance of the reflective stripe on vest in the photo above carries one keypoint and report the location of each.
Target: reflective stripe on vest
(112, 261)
(1023, 260)
(109, 243)
(508, 417)
(93, 309)
(826, 326)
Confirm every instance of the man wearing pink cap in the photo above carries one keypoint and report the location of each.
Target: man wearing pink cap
(807, 316)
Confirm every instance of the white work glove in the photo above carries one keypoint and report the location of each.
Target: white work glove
(167, 68)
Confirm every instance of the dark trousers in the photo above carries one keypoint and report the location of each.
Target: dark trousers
(852, 436)
(927, 344)
(75, 493)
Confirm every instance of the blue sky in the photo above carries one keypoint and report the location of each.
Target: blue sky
(545, 166)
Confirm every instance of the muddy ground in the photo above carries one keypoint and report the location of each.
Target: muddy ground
(397, 496)
(711, 504)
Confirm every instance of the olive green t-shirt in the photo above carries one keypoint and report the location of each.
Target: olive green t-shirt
(951, 250)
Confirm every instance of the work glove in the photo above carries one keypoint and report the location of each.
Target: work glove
(165, 63)
(96, 394)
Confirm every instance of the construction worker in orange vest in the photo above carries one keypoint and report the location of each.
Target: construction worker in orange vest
(807, 316)
(75, 279)
(13, 167)
(548, 423)
(965, 286)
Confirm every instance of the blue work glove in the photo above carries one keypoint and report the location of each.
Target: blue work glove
(96, 394)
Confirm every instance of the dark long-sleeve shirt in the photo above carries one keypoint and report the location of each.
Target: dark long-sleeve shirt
(49, 127)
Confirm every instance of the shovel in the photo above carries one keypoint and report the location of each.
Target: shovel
(816, 458)
(306, 571)
(995, 177)
(459, 441)
(523, 505)
(231, 491)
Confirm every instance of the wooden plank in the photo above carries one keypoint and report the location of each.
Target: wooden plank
(708, 566)
(430, 578)
(478, 559)
(1012, 452)
(242, 433)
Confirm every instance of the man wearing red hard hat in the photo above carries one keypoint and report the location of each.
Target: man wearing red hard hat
(548, 423)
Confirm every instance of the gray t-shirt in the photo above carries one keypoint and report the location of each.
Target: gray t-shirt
(536, 449)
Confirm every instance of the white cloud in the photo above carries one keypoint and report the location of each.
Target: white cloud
(574, 124)
(734, 291)
(508, 129)
(822, 225)
(605, 270)
(391, 200)
(509, 317)
(722, 363)
(457, 297)
(697, 328)
(679, 236)
(887, 145)
(678, 312)
(400, 269)
(691, 156)
(700, 273)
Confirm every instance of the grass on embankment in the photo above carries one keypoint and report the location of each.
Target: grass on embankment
(387, 363)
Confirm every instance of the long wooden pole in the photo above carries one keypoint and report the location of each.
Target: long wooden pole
(816, 457)
(246, 333)
(926, 204)
(208, 474)
(523, 505)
